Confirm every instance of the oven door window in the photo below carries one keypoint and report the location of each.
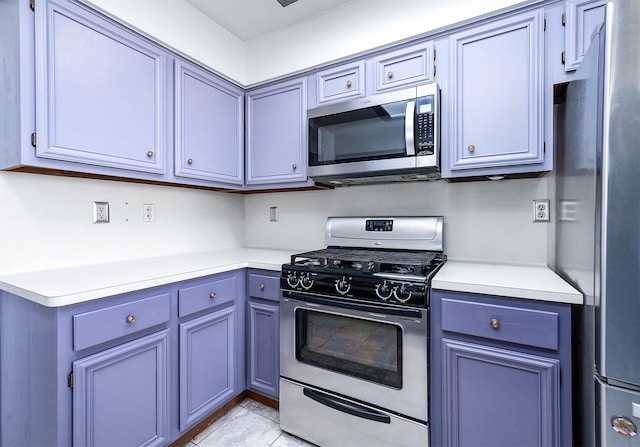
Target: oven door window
(360, 135)
(365, 349)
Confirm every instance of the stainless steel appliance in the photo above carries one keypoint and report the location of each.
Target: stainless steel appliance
(354, 333)
(598, 228)
(392, 136)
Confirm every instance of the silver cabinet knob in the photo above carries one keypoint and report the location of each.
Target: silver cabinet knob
(212, 295)
(390, 74)
(190, 161)
(471, 148)
(294, 166)
(348, 83)
(261, 287)
(495, 323)
(131, 319)
(150, 154)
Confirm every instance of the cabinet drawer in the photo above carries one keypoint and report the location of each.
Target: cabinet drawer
(412, 65)
(342, 82)
(207, 295)
(505, 323)
(102, 325)
(264, 286)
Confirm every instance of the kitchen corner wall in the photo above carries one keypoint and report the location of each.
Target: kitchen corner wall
(46, 221)
(485, 221)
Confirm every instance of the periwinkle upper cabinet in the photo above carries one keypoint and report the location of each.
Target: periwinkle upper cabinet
(209, 126)
(95, 98)
(494, 99)
(404, 67)
(580, 20)
(101, 92)
(276, 134)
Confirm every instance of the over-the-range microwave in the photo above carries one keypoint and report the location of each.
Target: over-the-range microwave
(392, 136)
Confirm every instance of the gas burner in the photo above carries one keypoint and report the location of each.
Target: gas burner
(400, 269)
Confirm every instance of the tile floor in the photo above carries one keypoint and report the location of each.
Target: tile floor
(249, 424)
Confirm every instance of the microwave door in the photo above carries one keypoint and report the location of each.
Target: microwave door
(408, 128)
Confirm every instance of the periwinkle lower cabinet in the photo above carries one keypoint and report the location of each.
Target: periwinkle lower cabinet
(138, 369)
(263, 333)
(501, 371)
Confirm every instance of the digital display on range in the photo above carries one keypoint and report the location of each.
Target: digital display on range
(379, 225)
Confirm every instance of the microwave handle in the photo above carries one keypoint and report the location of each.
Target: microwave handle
(408, 128)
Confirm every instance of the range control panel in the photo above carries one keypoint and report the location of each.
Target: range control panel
(379, 225)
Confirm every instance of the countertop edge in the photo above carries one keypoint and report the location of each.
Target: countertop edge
(515, 281)
(529, 282)
(45, 292)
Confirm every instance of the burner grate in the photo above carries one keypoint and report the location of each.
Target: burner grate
(372, 260)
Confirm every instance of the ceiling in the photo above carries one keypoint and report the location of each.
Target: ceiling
(248, 19)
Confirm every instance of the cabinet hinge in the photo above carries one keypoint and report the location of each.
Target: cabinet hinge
(544, 147)
(544, 25)
(564, 19)
(70, 380)
(434, 54)
(32, 5)
(563, 58)
(33, 139)
(434, 70)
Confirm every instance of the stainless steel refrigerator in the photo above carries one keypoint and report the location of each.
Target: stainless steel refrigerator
(597, 209)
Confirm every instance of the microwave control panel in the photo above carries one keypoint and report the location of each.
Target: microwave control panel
(425, 125)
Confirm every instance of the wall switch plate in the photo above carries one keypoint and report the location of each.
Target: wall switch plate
(541, 210)
(273, 214)
(100, 212)
(148, 212)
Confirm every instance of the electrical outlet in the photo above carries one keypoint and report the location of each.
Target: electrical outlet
(148, 212)
(100, 212)
(541, 210)
(273, 214)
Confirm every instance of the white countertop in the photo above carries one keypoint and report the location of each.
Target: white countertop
(517, 281)
(61, 287)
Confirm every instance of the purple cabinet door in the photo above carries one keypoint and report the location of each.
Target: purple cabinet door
(277, 133)
(121, 395)
(497, 397)
(263, 348)
(101, 91)
(209, 126)
(496, 98)
(207, 364)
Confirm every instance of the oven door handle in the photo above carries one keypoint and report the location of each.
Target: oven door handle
(380, 310)
(346, 406)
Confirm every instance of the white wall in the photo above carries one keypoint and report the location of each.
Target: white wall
(46, 221)
(180, 26)
(486, 221)
(352, 28)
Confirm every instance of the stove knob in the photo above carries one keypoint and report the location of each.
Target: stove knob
(306, 282)
(292, 279)
(383, 291)
(343, 286)
(402, 293)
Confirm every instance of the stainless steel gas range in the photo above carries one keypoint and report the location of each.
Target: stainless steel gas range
(354, 331)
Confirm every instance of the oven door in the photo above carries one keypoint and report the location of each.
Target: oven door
(373, 354)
